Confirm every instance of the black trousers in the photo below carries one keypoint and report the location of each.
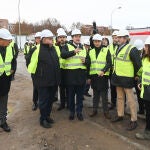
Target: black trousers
(140, 101)
(86, 88)
(3, 108)
(75, 90)
(46, 99)
(113, 93)
(35, 95)
(96, 99)
(63, 96)
(147, 108)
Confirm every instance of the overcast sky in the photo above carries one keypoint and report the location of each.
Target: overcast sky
(133, 12)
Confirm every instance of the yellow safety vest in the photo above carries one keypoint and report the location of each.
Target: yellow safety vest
(26, 49)
(123, 65)
(75, 62)
(112, 50)
(145, 74)
(5, 66)
(61, 60)
(34, 60)
(97, 64)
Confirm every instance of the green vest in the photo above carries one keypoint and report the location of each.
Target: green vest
(97, 64)
(112, 50)
(5, 66)
(26, 49)
(61, 60)
(123, 65)
(75, 62)
(34, 60)
(145, 74)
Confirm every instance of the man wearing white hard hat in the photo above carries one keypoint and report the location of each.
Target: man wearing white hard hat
(60, 43)
(87, 44)
(139, 44)
(7, 67)
(37, 38)
(112, 48)
(44, 65)
(28, 47)
(35, 90)
(127, 63)
(99, 63)
(145, 90)
(74, 65)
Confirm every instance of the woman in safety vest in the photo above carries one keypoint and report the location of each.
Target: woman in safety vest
(145, 90)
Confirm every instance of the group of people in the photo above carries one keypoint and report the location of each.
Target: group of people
(74, 67)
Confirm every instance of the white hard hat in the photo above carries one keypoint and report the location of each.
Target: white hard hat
(97, 37)
(139, 44)
(5, 34)
(147, 40)
(37, 34)
(61, 32)
(123, 33)
(46, 33)
(86, 42)
(59, 29)
(115, 33)
(76, 32)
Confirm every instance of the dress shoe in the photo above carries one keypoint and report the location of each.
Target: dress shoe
(61, 108)
(132, 125)
(34, 106)
(5, 127)
(80, 116)
(45, 124)
(71, 117)
(93, 114)
(117, 119)
(50, 120)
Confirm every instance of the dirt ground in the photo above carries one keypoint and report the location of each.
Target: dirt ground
(91, 134)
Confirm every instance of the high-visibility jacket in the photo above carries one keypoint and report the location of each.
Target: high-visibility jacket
(112, 50)
(26, 49)
(61, 60)
(75, 62)
(34, 60)
(97, 64)
(5, 65)
(123, 65)
(145, 74)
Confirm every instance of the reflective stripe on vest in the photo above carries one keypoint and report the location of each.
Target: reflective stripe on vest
(34, 60)
(6, 66)
(97, 64)
(123, 65)
(145, 74)
(75, 62)
(61, 60)
(112, 50)
(26, 49)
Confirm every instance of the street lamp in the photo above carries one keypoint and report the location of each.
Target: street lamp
(112, 15)
(19, 23)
